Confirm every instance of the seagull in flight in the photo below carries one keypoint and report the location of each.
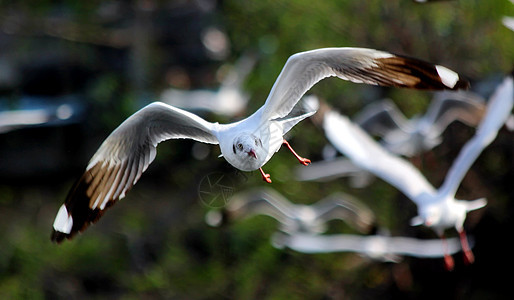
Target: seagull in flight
(409, 137)
(294, 218)
(437, 209)
(246, 144)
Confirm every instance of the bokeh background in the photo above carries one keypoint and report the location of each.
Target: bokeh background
(103, 60)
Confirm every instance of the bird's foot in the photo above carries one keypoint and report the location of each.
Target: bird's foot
(448, 262)
(468, 257)
(304, 161)
(265, 177)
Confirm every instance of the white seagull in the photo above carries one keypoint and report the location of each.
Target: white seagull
(377, 247)
(409, 137)
(437, 209)
(294, 218)
(247, 144)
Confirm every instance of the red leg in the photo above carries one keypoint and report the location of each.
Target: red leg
(302, 160)
(448, 260)
(265, 177)
(469, 258)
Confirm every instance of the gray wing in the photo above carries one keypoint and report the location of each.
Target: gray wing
(375, 246)
(261, 201)
(447, 107)
(347, 208)
(121, 159)
(354, 143)
(499, 109)
(422, 248)
(381, 117)
(360, 65)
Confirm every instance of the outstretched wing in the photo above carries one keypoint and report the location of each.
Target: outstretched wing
(347, 208)
(261, 201)
(499, 108)
(375, 246)
(303, 70)
(379, 118)
(353, 142)
(447, 107)
(121, 159)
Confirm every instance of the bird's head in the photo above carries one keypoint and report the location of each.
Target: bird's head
(429, 216)
(246, 152)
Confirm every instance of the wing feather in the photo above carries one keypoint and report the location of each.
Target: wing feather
(359, 65)
(353, 142)
(499, 108)
(121, 160)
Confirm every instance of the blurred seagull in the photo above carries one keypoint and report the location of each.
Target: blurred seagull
(331, 167)
(377, 247)
(438, 209)
(229, 100)
(247, 144)
(399, 134)
(295, 218)
(421, 133)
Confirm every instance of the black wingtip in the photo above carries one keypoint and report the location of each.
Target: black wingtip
(77, 205)
(462, 84)
(418, 74)
(58, 237)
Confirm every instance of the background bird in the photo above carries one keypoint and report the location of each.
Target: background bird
(295, 218)
(437, 209)
(413, 136)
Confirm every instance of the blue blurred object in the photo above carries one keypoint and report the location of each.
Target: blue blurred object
(41, 136)
(43, 111)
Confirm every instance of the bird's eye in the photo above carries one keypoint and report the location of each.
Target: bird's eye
(258, 142)
(240, 146)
